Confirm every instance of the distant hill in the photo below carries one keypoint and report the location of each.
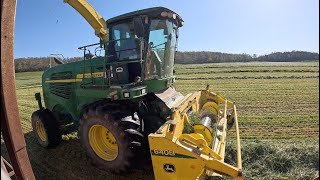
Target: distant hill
(188, 57)
(218, 57)
(292, 56)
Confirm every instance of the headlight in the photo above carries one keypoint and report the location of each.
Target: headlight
(126, 94)
(164, 14)
(174, 16)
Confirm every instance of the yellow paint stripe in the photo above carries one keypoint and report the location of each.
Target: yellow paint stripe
(79, 78)
(89, 75)
(63, 80)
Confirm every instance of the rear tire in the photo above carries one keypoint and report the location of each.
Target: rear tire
(46, 128)
(109, 136)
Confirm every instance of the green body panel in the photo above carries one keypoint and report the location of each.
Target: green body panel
(81, 95)
(157, 85)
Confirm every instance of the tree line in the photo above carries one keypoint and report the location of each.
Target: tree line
(218, 57)
(38, 63)
(188, 57)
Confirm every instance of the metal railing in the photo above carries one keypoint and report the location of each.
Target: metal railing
(117, 52)
(54, 55)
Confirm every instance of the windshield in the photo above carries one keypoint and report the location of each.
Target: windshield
(160, 36)
(162, 43)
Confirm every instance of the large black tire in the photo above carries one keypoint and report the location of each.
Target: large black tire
(44, 121)
(123, 125)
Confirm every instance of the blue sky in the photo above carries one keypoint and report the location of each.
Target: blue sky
(231, 26)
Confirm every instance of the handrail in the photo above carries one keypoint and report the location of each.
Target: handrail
(82, 47)
(136, 57)
(107, 42)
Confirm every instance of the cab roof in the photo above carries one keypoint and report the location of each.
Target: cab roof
(155, 11)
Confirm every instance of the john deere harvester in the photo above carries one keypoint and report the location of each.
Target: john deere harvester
(121, 98)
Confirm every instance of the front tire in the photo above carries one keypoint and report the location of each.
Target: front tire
(109, 138)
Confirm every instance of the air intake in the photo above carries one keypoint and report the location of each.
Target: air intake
(61, 89)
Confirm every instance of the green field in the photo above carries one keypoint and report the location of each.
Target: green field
(278, 112)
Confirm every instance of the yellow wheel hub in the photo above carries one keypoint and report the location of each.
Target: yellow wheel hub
(103, 143)
(41, 131)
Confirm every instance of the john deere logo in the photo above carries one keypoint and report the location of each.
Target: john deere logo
(169, 168)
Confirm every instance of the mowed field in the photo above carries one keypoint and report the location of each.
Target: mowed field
(278, 112)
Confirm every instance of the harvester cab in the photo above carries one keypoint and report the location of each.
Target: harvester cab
(121, 99)
(141, 46)
(150, 36)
